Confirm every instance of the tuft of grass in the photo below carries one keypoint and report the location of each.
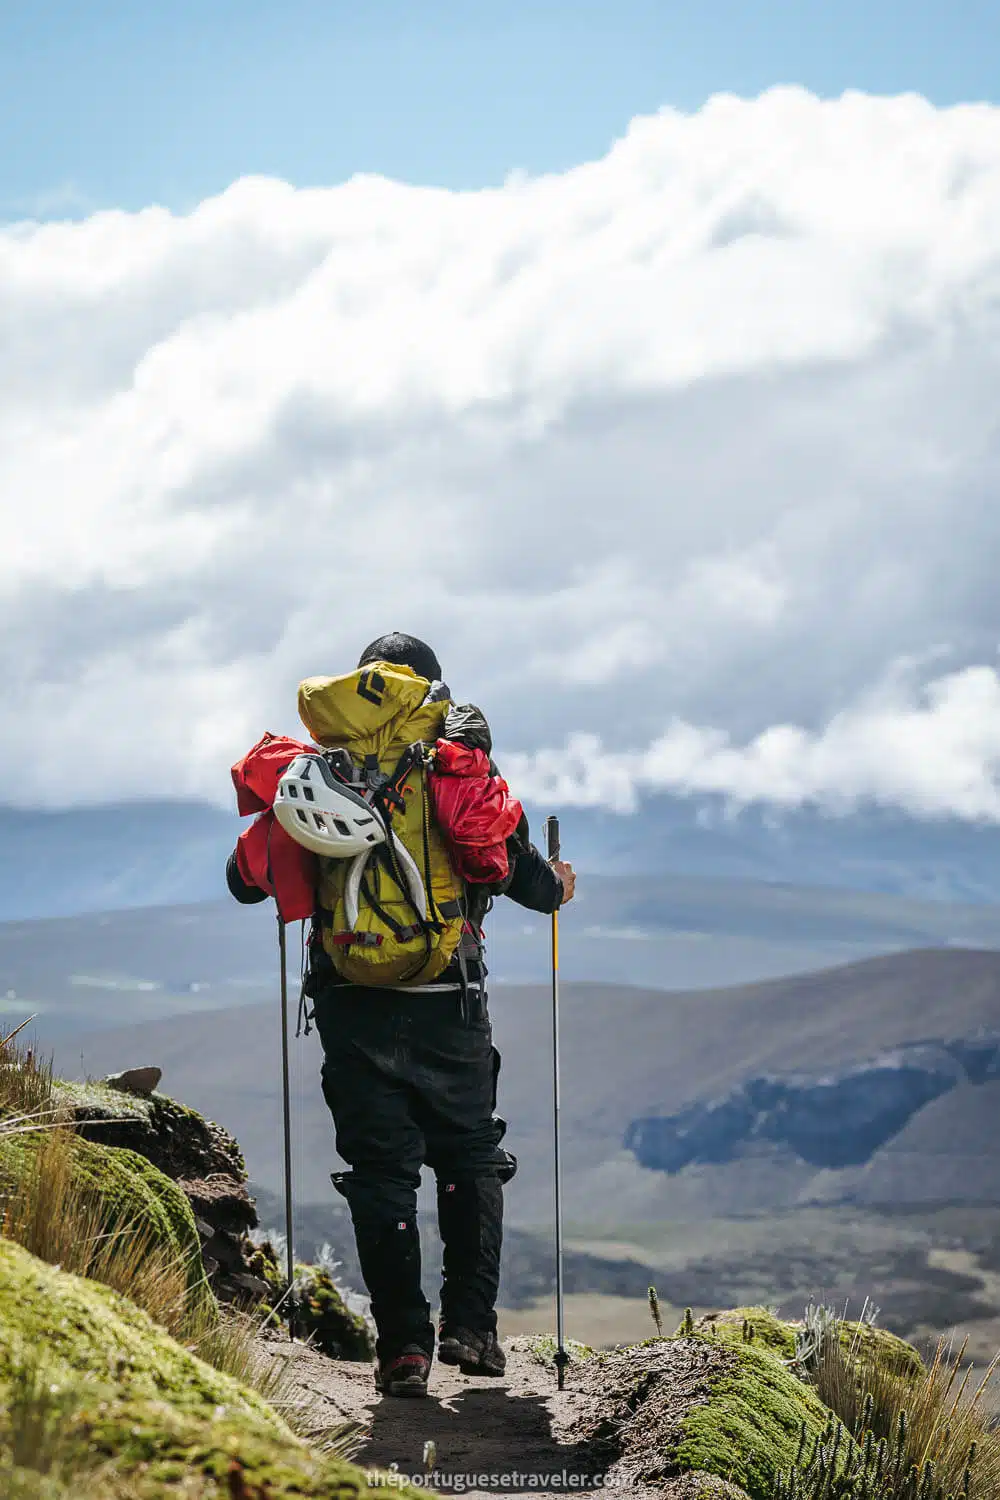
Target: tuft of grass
(917, 1430)
(49, 1214)
(25, 1084)
(233, 1344)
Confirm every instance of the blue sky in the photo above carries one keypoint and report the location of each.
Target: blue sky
(113, 104)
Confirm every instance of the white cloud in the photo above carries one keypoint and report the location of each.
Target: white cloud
(932, 752)
(683, 448)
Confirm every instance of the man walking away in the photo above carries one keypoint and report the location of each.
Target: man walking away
(398, 981)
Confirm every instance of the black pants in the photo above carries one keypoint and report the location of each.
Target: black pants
(410, 1081)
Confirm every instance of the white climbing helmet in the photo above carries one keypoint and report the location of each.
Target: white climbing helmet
(323, 813)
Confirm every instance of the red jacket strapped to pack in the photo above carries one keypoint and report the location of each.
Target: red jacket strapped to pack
(265, 854)
(474, 811)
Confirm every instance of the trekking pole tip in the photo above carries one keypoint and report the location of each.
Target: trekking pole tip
(561, 1361)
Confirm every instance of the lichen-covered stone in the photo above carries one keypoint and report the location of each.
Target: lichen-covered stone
(145, 1407)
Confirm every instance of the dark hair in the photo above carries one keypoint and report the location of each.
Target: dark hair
(405, 651)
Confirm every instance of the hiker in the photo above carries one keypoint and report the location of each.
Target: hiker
(397, 977)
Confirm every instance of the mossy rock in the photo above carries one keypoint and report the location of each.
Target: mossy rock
(132, 1193)
(263, 1263)
(703, 1405)
(143, 1407)
(175, 1138)
(760, 1326)
(322, 1315)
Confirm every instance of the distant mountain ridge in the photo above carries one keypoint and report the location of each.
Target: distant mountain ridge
(668, 932)
(631, 1053)
(163, 852)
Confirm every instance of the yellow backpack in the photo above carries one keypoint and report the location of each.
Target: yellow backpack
(382, 716)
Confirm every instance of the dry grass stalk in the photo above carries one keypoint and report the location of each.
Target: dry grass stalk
(47, 1212)
(939, 1416)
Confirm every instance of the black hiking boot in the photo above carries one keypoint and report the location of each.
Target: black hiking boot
(474, 1353)
(405, 1373)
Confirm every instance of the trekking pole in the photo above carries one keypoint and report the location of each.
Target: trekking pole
(287, 1109)
(562, 1358)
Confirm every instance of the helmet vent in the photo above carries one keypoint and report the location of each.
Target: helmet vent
(309, 794)
(342, 827)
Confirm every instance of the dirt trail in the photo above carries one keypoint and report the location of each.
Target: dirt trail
(482, 1430)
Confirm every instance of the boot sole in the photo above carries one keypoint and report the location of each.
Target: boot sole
(467, 1362)
(408, 1388)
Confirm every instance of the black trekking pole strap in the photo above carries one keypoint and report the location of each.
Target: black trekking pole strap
(286, 1104)
(561, 1357)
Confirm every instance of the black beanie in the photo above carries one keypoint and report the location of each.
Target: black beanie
(405, 651)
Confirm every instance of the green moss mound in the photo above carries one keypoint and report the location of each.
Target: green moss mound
(880, 1347)
(135, 1193)
(753, 1325)
(140, 1407)
(762, 1327)
(749, 1429)
(133, 1196)
(695, 1406)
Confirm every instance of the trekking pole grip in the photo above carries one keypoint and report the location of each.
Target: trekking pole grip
(552, 837)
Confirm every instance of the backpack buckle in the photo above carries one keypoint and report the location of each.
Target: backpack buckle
(356, 939)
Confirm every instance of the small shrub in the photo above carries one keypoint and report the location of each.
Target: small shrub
(323, 1317)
